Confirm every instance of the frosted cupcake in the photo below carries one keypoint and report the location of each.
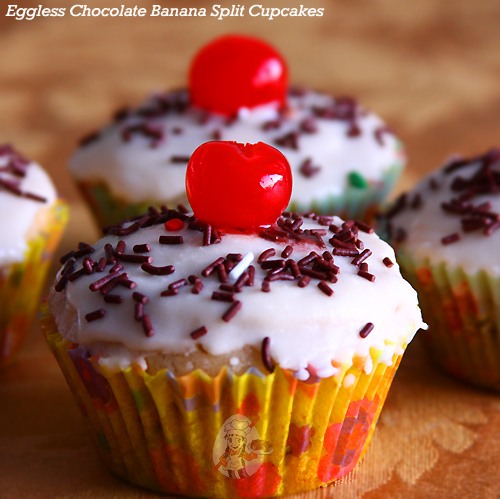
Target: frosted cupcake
(448, 244)
(344, 159)
(230, 354)
(32, 222)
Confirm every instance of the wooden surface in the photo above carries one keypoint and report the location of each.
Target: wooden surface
(432, 69)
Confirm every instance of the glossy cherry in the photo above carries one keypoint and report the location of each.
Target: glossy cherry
(238, 187)
(237, 71)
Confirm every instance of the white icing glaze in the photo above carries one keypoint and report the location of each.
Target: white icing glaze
(305, 326)
(138, 172)
(427, 225)
(19, 213)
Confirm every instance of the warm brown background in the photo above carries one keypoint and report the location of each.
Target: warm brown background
(431, 68)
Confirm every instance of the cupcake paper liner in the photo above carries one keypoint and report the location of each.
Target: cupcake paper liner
(108, 209)
(172, 433)
(463, 314)
(356, 202)
(360, 203)
(21, 284)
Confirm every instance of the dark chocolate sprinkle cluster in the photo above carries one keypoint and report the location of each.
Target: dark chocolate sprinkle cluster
(12, 173)
(485, 180)
(140, 122)
(463, 204)
(317, 266)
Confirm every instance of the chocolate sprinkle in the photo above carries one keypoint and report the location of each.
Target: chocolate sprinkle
(109, 298)
(139, 297)
(171, 240)
(210, 268)
(141, 248)
(266, 354)
(366, 275)
(366, 330)
(221, 273)
(293, 267)
(345, 252)
(101, 265)
(304, 281)
(308, 125)
(97, 285)
(308, 259)
(120, 247)
(273, 264)
(266, 254)
(307, 169)
(388, 262)
(179, 159)
(323, 286)
(95, 315)
(139, 311)
(149, 131)
(116, 268)
(251, 276)
(17, 167)
(198, 333)
(147, 326)
(232, 311)
(110, 254)
(289, 140)
(451, 238)
(127, 283)
(178, 284)
(66, 257)
(125, 257)
(361, 257)
(287, 251)
(227, 297)
(151, 269)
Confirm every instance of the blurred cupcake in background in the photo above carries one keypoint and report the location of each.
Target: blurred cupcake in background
(344, 159)
(33, 219)
(446, 232)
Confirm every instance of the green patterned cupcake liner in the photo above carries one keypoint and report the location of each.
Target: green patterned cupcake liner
(463, 314)
(108, 209)
(360, 200)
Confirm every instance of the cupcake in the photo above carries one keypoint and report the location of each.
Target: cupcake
(448, 245)
(233, 352)
(32, 222)
(344, 159)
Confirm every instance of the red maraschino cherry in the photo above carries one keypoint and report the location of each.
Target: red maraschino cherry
(237, 71)
(238, 187)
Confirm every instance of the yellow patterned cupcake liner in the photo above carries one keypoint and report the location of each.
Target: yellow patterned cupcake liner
(463, 314)
(21, 284)
(226, 436)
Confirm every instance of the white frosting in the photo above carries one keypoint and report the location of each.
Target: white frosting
(427, 225)
(138, 172)
(19, 213)
(305, 326)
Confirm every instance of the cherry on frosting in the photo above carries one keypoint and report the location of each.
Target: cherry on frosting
(238, 187)
(237, 71)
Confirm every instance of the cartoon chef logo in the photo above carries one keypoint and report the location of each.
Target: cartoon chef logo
(238, 451)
